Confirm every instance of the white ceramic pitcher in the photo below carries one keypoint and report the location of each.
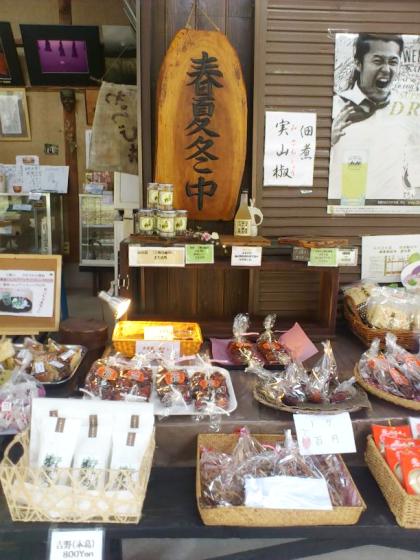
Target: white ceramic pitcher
(256, 218)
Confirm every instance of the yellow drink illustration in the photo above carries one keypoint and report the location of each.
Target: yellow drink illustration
(354, 178)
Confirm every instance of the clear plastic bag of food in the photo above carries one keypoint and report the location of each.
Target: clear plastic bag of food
(344, 391)
(323, 374)
(268, 345)
(117, 378)
(240, 348)
(359, 293)
(16, 400)
(389, 308)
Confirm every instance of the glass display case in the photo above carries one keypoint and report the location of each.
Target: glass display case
(96, 231)
(31, 223)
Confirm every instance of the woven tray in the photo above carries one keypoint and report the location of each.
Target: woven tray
(406, 403)
(259, 517)
(32, 496)
(406, 339)
(405, 507)
(356, 403)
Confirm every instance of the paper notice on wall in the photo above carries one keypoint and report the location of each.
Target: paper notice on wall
(289, 153)
(54, 178)
(10, 115)
(384, 256)
(27, 293)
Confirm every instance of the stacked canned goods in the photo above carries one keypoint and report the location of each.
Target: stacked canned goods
(160, 217)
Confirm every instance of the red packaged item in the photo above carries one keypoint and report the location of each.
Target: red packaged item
(410, 465)
(271, 349)
(241, 349)
(380, 432)
(394, 446)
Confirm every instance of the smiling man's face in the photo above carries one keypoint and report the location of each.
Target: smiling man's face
(379, 68)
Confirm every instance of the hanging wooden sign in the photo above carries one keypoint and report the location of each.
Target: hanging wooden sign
(201, 124)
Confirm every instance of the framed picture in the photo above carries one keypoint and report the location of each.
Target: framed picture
(10, 71)
(14, 117)
(63, 54)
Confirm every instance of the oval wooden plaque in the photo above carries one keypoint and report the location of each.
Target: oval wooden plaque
(201, 124)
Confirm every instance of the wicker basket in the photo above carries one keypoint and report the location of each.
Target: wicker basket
(32, 496)
(406, 339)
(126, 333)
(260, 517)
(405, 507)
(406, 403)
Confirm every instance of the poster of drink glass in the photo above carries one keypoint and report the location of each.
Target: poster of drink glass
(375, 135)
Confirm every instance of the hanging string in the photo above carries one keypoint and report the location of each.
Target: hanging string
(205, 14)
(193, 10)
(111, 66)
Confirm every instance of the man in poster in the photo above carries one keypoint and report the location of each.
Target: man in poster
(375, 138)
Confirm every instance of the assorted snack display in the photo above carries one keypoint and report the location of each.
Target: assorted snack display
(394, 371)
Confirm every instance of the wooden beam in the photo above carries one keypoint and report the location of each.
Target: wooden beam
(64, 12)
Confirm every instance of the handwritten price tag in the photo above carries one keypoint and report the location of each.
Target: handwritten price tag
(156, 256)
(322, 434)
(246, 256)
(76, 544)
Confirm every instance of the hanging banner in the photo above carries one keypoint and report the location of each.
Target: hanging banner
(201, 124)
(289, 152)
(375, 136)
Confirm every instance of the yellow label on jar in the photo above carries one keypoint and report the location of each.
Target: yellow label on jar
(146, 223)
(166, 198)
(242, 227)
(166, 225)
(180, 224)
(153, 196)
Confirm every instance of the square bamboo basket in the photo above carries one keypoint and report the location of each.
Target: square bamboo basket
(126, 333)
(242, 516)
(405, 507)
(32, 495)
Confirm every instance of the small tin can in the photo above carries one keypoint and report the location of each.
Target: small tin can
(181, 222)
(152, 195)
(166, 223)
(165, 196)
(145, 221)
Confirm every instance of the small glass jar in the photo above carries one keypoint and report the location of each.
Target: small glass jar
(152, 195)
(181, 222)
(166, 196)
(166, 223)
(145, 221)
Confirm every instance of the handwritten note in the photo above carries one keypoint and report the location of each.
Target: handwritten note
(322, 434)
(290, 141)
(79, 543)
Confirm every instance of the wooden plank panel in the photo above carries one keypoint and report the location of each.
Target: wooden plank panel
(235, 296)
(216, 11)
(337, 5)
(329, 27)
(354, 15)
(210, 293)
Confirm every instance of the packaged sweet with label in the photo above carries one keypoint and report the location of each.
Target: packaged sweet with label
(209, 390)
(380, 432)
(241, 349)
(410, 465)
(323, 374)
(172, 387)
(271, 349)
(394, 446)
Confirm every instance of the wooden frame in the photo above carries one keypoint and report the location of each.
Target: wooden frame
(87, 70)
(10, 128)
(10, 70)
(15, 325)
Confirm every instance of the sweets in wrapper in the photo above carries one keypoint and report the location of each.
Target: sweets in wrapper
(223, 475)
(173, 386)
(323, 373)
(394, 446)
(240, 349)
(410, 466)
(381, 432)
(389, 308)
(272, 350)
(116, 378)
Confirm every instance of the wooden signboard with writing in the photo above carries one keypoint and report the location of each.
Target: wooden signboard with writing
(35, 282)
(201, 124)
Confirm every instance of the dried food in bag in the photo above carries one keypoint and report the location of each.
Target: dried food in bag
(173, 387)
(240, 349)
(209, 391)
(271, 349)
(323, 374)
(16, 399)
(344, 391)
(389, 308)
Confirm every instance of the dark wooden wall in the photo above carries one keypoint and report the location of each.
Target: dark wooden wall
(294, 46)
(209, 294)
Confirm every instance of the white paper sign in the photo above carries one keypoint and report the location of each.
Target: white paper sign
(162, 332)
(289, 153)
(322, 434)
(384, 256)
(246, 256)
(78, 544)
(156, 256)
(287, 492)
(170, 350)
(54, 178)
(415, 426)
(347, 256)
(27, 293)
(10, 115)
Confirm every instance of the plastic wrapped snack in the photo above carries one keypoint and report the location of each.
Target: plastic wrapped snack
(359, 293)
(116, 378)
(389, 308)
(173, 386)
(323, 374)
(271, 349)
(209, 388)
(240, 349)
